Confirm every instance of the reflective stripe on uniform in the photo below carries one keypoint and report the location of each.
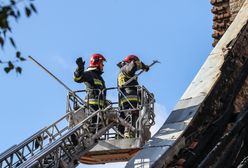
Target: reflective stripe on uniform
(77, 78)
(121, 79)
(98, 82)
(95, 102)
(129, 98)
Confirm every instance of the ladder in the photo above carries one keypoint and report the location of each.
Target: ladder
(62, 145)
(51, 144)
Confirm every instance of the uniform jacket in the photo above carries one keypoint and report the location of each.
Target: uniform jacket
(93, 81)
(127, 72)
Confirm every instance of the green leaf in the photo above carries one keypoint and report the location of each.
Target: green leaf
(12, 42)
(13, 2)
(33, 7)
(9, 28)
(4, 33)
(27, 11)
(12, 13)
(18, 54)
(18, 13)
(18, 70)
(7, 69)
(6, 8)
(11, 66)
(1, 42)
(22, 59)
(4, 24)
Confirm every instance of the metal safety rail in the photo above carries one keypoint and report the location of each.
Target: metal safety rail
(60, 145)
(113, 146)
(108, 122)
(64, 152)
(18, 154)
(29, 147)
(56, 146)
(145, 108)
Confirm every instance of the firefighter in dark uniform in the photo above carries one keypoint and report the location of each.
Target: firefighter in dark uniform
(129, 96)
(93, 80)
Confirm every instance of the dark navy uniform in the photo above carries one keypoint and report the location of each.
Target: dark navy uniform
(129, 96)
(94, 85)
(129, 90)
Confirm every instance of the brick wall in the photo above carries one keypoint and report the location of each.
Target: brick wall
(235, 6)
(224, 12)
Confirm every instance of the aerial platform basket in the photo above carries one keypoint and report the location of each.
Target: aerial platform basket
(112, 146)
(107, 151)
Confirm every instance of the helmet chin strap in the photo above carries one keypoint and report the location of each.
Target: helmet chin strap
(94, 68)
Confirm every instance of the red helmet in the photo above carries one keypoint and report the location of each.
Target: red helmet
(131, 58)
(96, 60)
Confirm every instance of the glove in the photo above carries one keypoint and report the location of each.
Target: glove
(121, 64)
(145, 67)
(80, 63)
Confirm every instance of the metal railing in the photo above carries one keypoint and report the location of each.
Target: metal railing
(64, 152)
(31, 146)
(145, 107)
(22, 153)
(54, 145)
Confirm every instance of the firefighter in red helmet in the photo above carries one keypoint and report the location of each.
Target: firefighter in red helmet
(129, 96)
(93, 80)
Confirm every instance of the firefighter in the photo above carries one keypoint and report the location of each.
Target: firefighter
(93, 80)
(129, 96)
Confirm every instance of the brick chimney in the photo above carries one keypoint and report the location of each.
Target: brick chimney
(224, 12)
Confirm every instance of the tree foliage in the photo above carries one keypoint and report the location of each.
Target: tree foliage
(13, 9)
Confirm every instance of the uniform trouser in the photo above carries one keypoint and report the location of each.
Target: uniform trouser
(134, 115)
(121, 128)
(95, 119)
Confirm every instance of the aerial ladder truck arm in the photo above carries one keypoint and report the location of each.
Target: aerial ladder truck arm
(65, 145)
(53, 146)
(62, 152)
(52, 142)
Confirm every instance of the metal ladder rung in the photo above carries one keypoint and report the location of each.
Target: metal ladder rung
(16, 148)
